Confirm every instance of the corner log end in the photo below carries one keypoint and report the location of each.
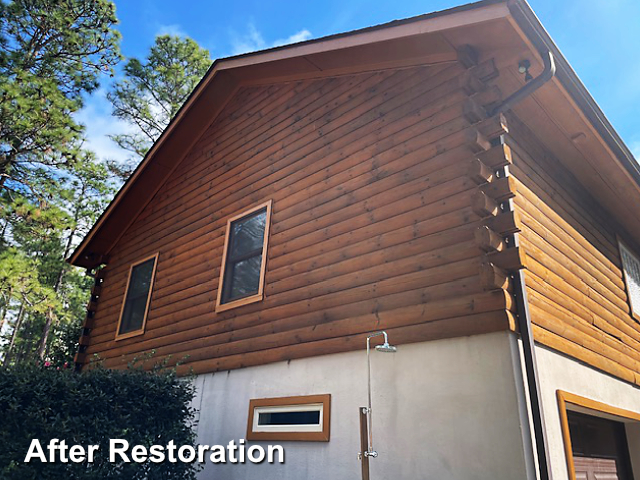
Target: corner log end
(488, 240)
(509, 259)
(493, 277)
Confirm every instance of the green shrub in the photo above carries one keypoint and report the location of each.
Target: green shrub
(89, 409)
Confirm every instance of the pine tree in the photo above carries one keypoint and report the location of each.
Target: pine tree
(51, 53)
(153, 91)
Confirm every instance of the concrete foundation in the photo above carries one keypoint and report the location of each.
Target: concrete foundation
(445, 409)
(558, 372)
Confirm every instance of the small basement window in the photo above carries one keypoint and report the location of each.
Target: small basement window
(244, 258)
(135, 306)
(302, 418)
(631, 268)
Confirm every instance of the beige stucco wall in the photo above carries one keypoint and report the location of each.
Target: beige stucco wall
(444, 409)
(558, 372)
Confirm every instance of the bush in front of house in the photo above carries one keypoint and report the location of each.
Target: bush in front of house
(89, 409)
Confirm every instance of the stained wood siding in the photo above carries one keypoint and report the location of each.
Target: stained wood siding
(575, 284)
(372, 225)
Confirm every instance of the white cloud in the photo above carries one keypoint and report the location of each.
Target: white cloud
(99, 123)
(252, 40)
(300, 36)
(173, 30)
(249, 42)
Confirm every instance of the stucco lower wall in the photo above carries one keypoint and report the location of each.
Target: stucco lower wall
(443, 409)
(558, 372)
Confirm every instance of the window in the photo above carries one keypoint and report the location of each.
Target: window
(631, 267)
(244, 258)
(135, 306)
(303, 418)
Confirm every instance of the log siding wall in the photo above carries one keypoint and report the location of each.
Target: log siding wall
(387, 213)
(373, 179)
(575, 283)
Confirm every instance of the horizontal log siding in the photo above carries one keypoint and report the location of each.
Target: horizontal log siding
(574, 279)
(372, 226)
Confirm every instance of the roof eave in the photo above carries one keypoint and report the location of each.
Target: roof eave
(527, 20)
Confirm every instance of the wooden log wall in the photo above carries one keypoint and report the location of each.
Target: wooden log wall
(379, 184)
(575, 283)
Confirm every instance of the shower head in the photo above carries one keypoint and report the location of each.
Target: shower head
(385, 347)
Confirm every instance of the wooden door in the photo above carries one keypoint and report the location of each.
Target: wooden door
(599, 446)
(595, 468)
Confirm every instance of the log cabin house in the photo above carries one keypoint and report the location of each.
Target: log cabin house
(447, 179)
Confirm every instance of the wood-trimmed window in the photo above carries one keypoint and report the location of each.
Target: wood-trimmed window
(580, 454)
(301, 418)
(244, 258)
(135, 305)
(631, 269)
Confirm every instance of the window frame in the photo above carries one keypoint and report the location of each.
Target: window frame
(624, 245)
(301, 435)
(141, 330)
(221, 307)
(567, 400)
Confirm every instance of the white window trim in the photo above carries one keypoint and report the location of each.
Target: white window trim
(315, 407)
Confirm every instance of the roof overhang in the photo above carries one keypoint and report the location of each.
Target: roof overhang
(497, 28)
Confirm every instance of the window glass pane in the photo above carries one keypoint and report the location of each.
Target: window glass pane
(243, 278)
(136, 297)
(247, 235)
(141, 278)
(311, 417)
(631, 267)
(133, 315)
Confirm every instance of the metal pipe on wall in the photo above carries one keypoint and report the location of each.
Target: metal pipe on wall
(520, 291)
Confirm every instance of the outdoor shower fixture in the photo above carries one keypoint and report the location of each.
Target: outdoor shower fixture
(385, 347)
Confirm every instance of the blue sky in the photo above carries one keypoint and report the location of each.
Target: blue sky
(600, 38)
